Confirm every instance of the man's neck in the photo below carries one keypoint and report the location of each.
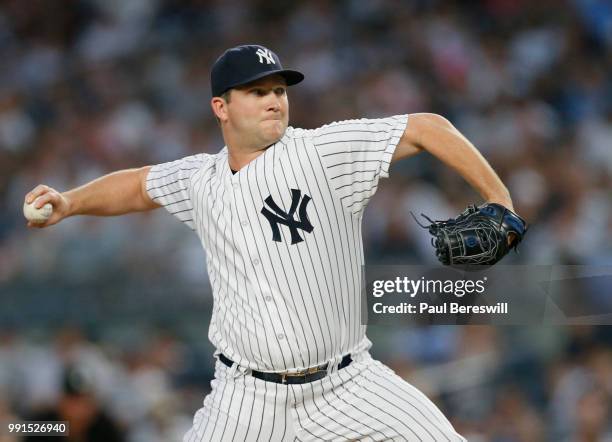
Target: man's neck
(240, 154)
(238, 159)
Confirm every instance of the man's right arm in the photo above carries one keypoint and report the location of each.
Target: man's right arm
(114, 194)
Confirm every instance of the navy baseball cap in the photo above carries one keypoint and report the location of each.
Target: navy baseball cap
(246, 63)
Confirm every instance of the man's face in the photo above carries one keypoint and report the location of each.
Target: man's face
(259, 111)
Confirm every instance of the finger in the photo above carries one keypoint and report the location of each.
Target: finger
(49, 197)
(36, 192)
(47, 223)
(36, 225)
(511, 238)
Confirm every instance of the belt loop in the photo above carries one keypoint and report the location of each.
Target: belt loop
(332, 366)
(242, 370)
(232, 370)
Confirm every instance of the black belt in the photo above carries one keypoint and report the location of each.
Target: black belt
(309, 375)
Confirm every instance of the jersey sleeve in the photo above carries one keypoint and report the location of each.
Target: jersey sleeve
(356, 154)
(169, 184)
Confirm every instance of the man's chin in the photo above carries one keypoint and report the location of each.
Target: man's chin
(274, 133)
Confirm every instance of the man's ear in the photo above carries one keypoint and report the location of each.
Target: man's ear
(219, 107)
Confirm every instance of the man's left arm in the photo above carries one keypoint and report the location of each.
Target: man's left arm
(436, 135)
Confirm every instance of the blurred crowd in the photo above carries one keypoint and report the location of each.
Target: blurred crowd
(140, 389)
(91, 86)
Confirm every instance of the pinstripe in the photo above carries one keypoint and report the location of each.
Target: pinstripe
(172, 173)
(217, 278)
(294, 272)
(381, 411)
(247, 352)
(258, 281)
(227, 413)
(170, 203)
(410, 402)
(263, 410)
(402, 413)
(393, 405)
(166, 185)
(319, 291)
(358, 201)
(166, 195)
(202, 413)
(361, 260)
(285, 411)
(335, 342)
(435, 413)
(351, 293)
(243, 395)
(353, 183)
(355, 122)
(375, 160)
(342, 249)
(358, 330)
(318, 422)
(238, 346)
(259, 221)
(350, 418)
(278, 280)
(302, 354)
(348, 141)
(298, 414)
(334, 391)
(355, 192)
(273, 409)
(178, 211)
(344, 152)
(212, 408)
(351, 132)
(354, 172)
(338, 266)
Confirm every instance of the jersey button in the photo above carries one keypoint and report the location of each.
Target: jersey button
(268, 298)
(256, 262)
(244, 223)
(280, 336)
(236, 185)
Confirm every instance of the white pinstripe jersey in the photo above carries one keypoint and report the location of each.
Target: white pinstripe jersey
(281, 301)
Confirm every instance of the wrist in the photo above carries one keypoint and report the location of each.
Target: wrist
(507, 203)
(69, 204)
(504, 199)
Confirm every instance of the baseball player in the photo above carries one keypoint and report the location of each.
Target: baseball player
(278, 211)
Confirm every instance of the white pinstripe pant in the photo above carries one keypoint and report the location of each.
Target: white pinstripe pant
(364, 401)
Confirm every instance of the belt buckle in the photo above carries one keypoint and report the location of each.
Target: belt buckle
(302, 373)
(284, 376)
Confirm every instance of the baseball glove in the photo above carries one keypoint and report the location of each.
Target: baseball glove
(478, 236)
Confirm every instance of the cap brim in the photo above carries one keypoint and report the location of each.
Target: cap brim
(291, 77)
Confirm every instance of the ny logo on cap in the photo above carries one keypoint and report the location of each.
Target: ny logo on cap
(265, 54)
(279, 216)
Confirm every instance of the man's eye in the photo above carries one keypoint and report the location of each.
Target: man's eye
(280, 91)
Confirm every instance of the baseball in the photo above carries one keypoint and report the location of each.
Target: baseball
(35, 215)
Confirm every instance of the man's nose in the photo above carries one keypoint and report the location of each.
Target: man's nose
(273, 102)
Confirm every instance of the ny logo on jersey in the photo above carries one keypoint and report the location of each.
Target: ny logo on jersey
(265, 54)
(281, 217)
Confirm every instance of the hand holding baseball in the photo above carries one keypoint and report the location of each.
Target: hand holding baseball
(44, 206)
